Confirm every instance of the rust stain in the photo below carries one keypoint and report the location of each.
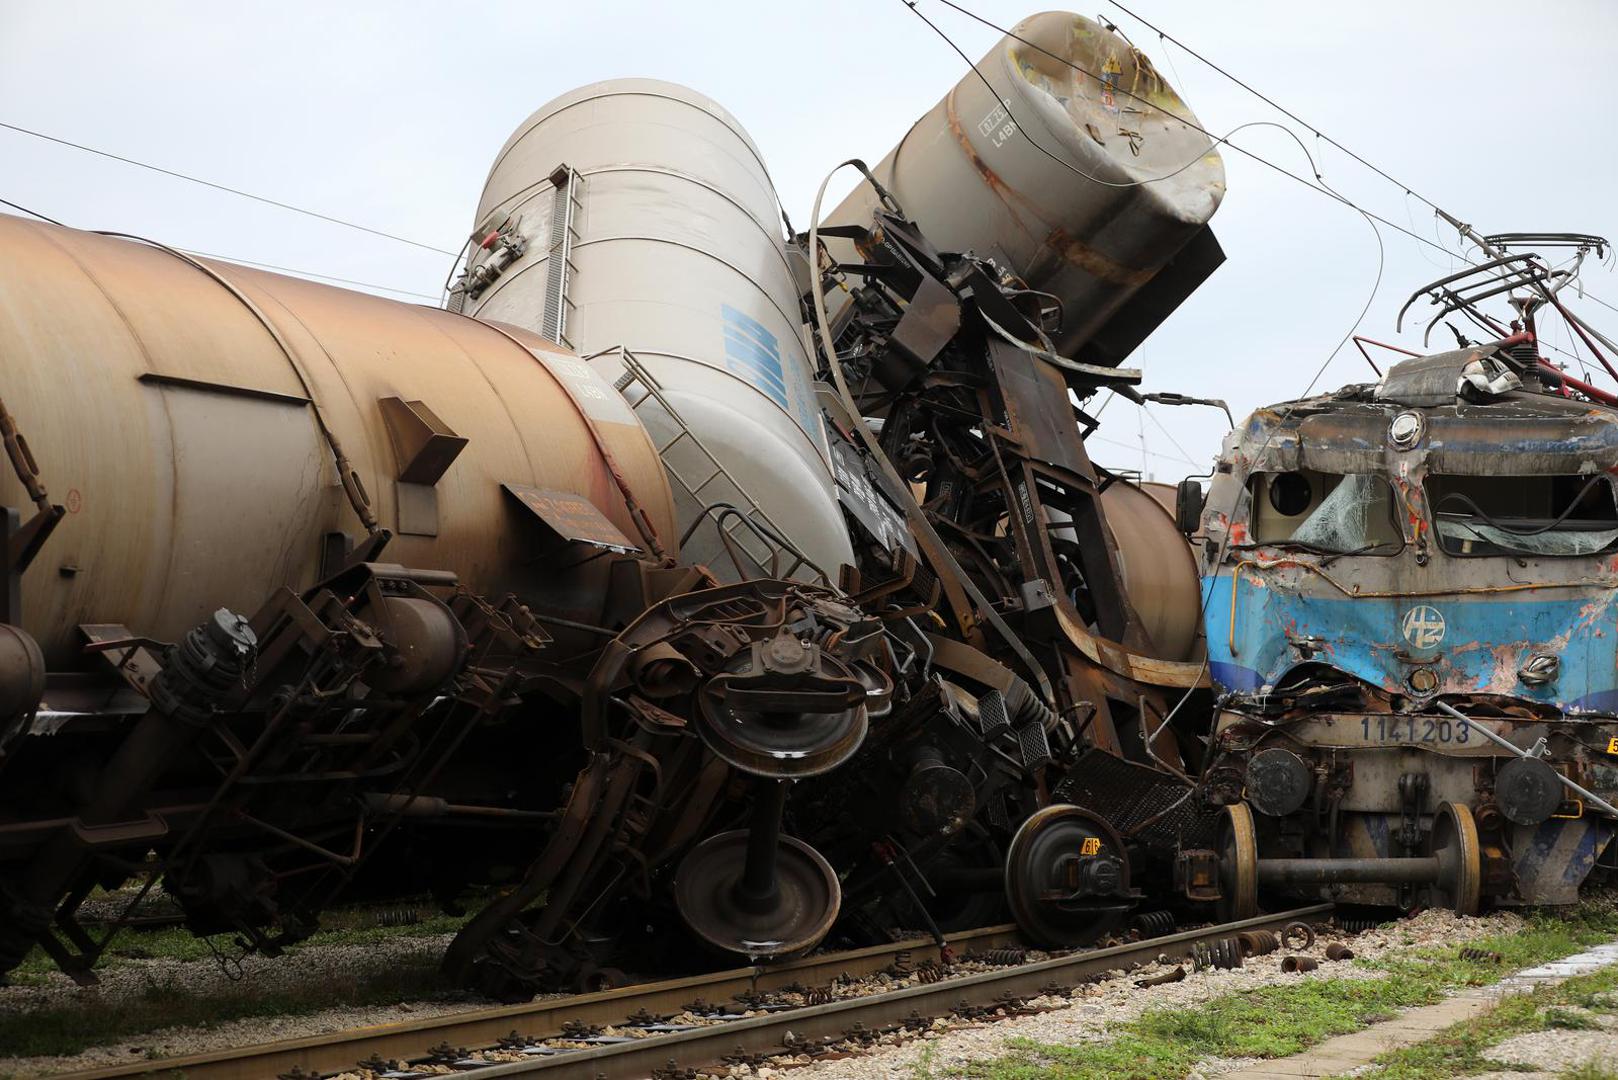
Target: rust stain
(1057, 240)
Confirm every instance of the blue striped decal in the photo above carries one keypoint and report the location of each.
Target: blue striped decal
(754, 353)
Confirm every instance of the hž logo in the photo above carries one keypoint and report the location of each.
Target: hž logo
(1423, 627)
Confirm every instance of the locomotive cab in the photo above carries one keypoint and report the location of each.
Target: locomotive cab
(1411, 628)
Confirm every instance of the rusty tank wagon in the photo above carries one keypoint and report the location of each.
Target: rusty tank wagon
(1410, 624)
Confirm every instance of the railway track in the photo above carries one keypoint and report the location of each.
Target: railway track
(810, 1026)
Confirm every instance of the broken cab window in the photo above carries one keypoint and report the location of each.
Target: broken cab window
(1523, 515)
(1324, 512)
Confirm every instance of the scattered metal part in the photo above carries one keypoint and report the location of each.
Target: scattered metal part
(1223, 953)
(1294, 964)
(1358, 926)
(1338, 951)
(1484, 956)
(1177, 975)
(1298, 931)
(1258, 942)
(401, 916)
(1150, 924)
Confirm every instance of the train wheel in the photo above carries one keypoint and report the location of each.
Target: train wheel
(1238, 864)
(1067, 877)
(804, 904)
(1454, 840)
(787, 743)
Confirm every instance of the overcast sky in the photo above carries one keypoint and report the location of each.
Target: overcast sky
(389, 114)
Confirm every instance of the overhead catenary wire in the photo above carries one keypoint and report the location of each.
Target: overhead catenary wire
(1316, 131)
(1154, 453)
(295, 272)
(31, 213)
(1124, 92)
(225, 188)
(249, 262)
(1165, 35)
(1319, 185)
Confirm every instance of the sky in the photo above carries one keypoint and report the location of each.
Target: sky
(389, 114)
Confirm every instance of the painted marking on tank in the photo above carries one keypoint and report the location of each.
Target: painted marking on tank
(998, 126)
(754, 353)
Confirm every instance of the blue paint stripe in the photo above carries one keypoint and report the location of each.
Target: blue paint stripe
(760, 376)
(750, 373)
(1483, 641)
(744, 347)
(744, 321)
(747, 357)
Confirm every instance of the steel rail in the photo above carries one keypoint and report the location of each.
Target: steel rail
(411, 1039)
(816, 1023)
(706, 1045)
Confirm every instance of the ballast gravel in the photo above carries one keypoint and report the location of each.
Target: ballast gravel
(1086, 1016)
(948, 1043)
(130, 980)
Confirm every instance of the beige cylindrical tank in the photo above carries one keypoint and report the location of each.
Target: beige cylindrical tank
(177, 432)
(673, 247)
(1158, 569)
(1085, 228)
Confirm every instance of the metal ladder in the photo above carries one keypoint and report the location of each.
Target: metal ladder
(564, 211)
(743, 530)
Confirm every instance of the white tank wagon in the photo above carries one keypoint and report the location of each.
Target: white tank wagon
(1082, 172)
(638, 214)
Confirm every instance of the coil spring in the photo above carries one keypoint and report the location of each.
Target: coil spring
(817, 995)
(1224, 953)
(1481, 955)
(403, 916)
(1152, 924)
(1359, 926)
(930, 972)
(1003, 957)
(1258, 942)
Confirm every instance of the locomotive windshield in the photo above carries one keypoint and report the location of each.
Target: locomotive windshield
(1315, 511)
(1524, 515)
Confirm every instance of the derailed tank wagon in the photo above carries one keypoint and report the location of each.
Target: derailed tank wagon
(704, 587)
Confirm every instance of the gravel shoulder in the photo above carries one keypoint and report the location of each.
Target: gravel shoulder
(331, 967)
(1092, 1009)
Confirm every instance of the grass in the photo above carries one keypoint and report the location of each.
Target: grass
(1281, 1020)
(162, 1002)
(1463, 1050)
(69, 1029)
(351, 927)
(1590, 1070)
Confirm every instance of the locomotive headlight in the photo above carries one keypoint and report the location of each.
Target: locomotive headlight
(1540, 669)
(1423, 680)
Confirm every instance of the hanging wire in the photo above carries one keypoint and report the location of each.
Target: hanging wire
(31, 213)
(222, 187)
(248, 262)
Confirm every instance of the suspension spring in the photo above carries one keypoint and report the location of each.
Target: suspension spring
(1150, 924)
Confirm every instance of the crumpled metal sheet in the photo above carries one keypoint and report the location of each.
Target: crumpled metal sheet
(1475, 645)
